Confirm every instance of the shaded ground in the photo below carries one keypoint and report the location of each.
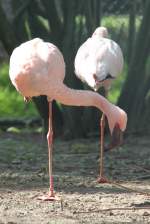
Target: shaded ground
(23, 176)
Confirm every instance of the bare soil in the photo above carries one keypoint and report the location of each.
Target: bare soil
(23, 177)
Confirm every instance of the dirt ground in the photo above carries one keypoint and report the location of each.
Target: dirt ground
(23, 177)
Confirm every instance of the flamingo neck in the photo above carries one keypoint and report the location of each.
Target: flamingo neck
(72, 97)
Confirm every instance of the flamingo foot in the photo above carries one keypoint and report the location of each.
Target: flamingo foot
(102, 180)
(116, 140)
(49, 197)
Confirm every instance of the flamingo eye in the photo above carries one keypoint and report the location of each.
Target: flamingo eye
(94, 77)
(109, 76)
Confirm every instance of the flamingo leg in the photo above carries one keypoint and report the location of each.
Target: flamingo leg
(101, 178)
(50, 151)
(51, 195)
(117, 139)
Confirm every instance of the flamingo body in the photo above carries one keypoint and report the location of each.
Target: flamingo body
(36, 67)
(98, 59)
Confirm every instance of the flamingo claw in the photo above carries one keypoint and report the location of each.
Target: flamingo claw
(49, 197)
(102, 180)
(116, 140)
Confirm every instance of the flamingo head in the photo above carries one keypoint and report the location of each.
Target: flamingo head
(101, 32)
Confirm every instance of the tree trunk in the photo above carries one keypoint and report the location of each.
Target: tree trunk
(72, 115)
(131, 35)
(7, 36)
(130, 99)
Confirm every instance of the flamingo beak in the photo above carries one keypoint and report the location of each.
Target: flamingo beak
(98, 83)
(116, 139)
(106, 82)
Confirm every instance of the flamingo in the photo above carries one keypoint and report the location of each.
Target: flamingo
(98, 61)
(38, 68)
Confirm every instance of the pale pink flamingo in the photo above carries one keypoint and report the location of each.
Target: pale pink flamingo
(38, 68)
(98, 61)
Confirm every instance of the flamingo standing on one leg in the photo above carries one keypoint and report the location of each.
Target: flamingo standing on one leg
(38, 68)
(99, 60)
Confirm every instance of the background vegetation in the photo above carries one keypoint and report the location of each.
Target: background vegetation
(67, 24)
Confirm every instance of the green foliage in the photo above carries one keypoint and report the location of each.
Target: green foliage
(115, 22)
(11, 102)
(13, 130)
(117, 85)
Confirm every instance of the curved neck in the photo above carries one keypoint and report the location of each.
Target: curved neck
(72, 97)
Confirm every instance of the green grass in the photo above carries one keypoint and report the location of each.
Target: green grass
(11, 102)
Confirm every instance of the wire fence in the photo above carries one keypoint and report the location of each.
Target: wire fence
(122, 6)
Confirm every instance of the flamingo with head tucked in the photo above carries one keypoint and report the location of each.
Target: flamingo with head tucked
(98, 61)
(38, 68)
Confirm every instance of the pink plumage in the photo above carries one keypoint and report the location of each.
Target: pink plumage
(36, 67)
(98, 59)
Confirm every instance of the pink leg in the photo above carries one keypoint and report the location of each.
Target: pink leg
(117, 139)
(101, 178)
(51, 196)
(50, 151)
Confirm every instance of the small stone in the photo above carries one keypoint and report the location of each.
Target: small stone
(146, 214)
(111, 213)
(6, 208)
